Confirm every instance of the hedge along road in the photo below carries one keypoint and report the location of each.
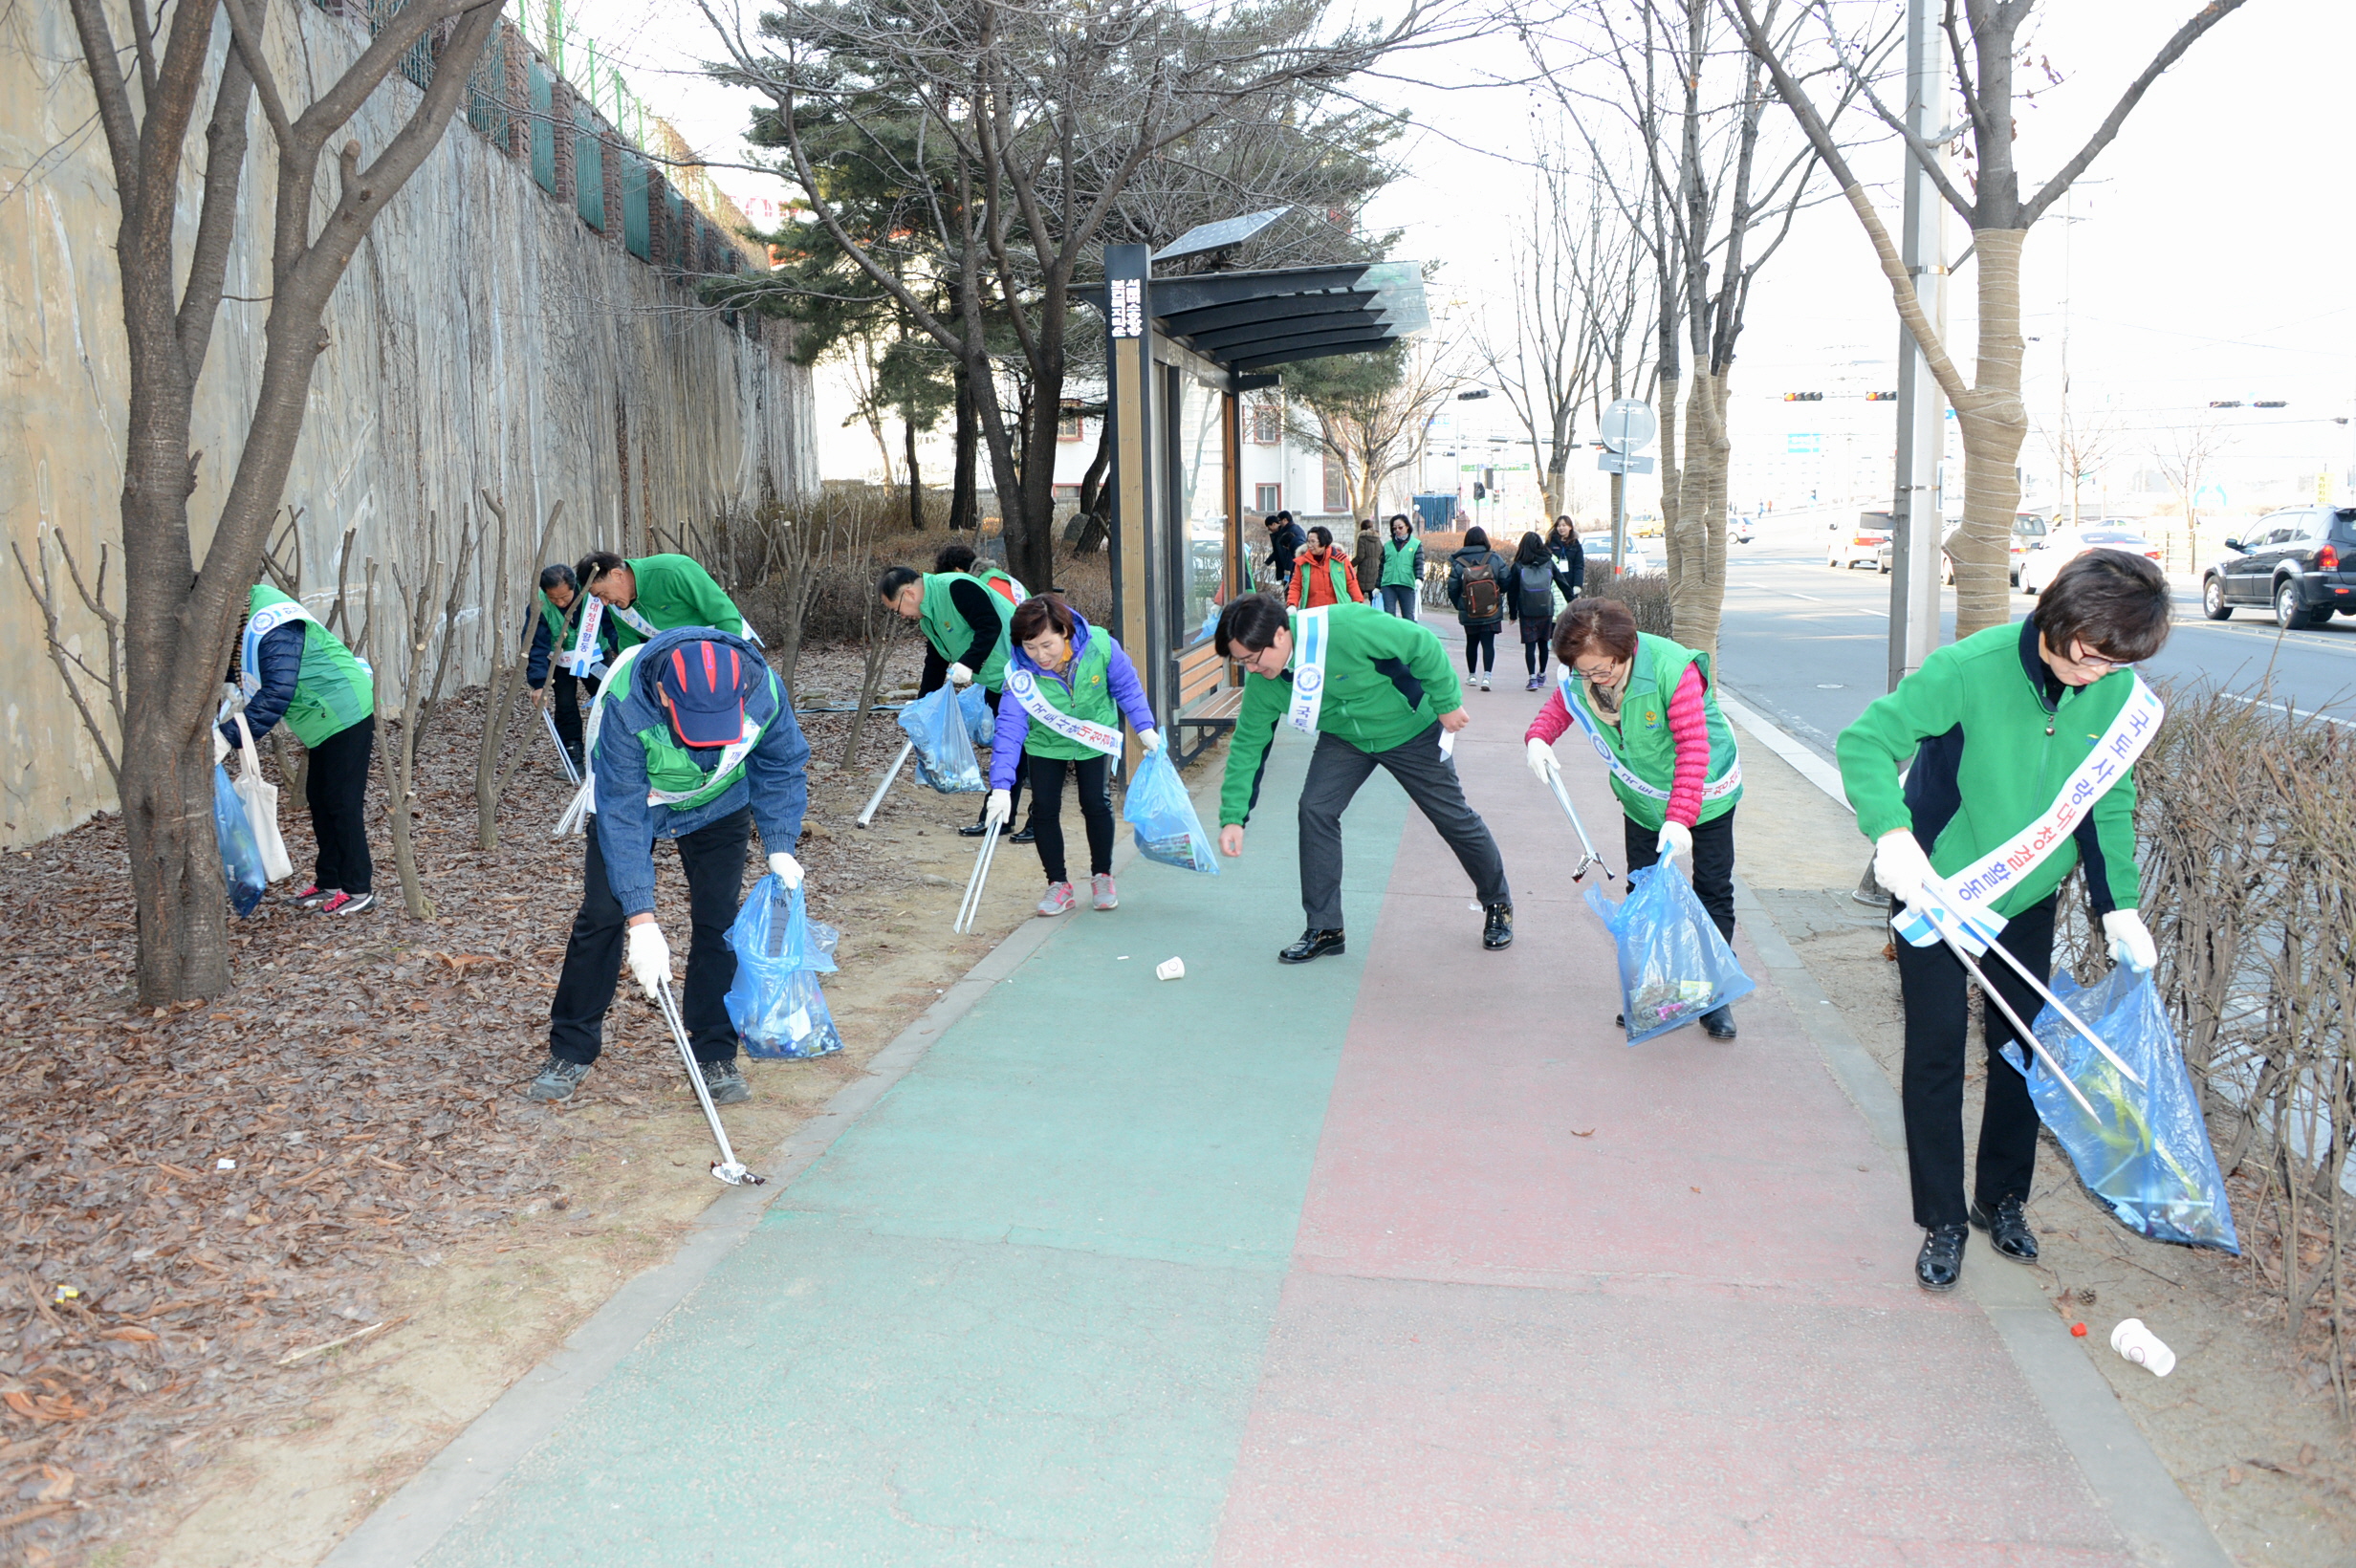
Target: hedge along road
(1808, 647)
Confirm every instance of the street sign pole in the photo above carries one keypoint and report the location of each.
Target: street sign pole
(1627, 427)
(1918, 513)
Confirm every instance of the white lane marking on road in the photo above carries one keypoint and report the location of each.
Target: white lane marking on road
(2236, 697)
(1804, 762)
(2289, 640)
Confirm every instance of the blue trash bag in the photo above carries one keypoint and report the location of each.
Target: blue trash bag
(981, 724)
(944, 744)
(775, 1001)
(1673, 965)
(241, 858)
(1210, 622)
(1163, 813)
(2146, 1152)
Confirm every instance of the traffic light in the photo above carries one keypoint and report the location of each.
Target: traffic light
(1881, 397)
(2225, 402)
(1480, 491)
(2270, 402)
(1804, 397)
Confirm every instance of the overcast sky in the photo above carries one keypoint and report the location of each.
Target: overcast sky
(2205, 259)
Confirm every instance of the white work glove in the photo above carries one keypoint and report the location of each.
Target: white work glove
(1151, 740)
(1542, 764)
(1900, 865)
(1676, 839)
(1001, 807)
(648, 956)
(786, 869)
(220, 748)
(960, 676)
(2131, 941)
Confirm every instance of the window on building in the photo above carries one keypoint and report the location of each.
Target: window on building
(1268, 499)
(1068, 429)
(1267, 421)
(1336, 485)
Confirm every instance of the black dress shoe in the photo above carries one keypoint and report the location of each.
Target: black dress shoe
(1498, 927)
(972, 830)
(1940, 1263)
(2008, 1231)
(1313, 943)
(1719, 1023)
(1028, 835)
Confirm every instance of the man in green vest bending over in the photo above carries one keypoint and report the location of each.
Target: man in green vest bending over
(292, 667)
(656, 593)
(1376, 692)
(965, 625)
(691, 739)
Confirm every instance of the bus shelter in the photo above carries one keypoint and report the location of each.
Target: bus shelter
(1180, 353)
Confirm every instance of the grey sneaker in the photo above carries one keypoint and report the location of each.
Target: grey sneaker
(559, 1078)
(1059, 900)
(1101, 886)
(724, 1083)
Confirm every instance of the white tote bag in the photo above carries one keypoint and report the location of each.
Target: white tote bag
(261, 801)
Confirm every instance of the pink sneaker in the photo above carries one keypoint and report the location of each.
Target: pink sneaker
(1059, 900)
(311, 897)
(1102, 885)
(348, 903)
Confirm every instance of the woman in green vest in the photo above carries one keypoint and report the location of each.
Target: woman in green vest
(965, 626)
(1651, 709)
(656, 593)
(1403, 568)
(291, 667)
(960, 558)
(1068, 684)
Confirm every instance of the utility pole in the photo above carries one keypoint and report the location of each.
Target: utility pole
(1918, 513)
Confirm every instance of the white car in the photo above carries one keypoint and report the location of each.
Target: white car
(2047, 556)
(1858, 543)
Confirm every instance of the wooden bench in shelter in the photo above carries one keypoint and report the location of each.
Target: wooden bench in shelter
(1208, 698)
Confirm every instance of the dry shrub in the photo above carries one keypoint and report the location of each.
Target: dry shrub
(1645, 593)
(2248, 849)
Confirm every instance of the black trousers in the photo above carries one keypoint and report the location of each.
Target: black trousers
(1092, 775)
(1932, 982)
(1712, 871)
(713, 857)
(1336, 771)
(1480, 648)
(564, 699)
(336, 789)
(1534, 651)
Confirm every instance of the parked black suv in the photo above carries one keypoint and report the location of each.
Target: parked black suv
(2302, 562)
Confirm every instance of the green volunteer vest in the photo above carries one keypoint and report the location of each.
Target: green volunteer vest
(1399, 564)
(1335, 572)
(948, 632)
(1084, 692)
(671, 772)
(552, 618)
(335, 690)
(1641, 739)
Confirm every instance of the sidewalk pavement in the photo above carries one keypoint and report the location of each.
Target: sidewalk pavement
(1401, 1257)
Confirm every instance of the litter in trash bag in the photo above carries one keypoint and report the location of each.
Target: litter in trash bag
(775, 1001)
(1163, 813)
(241, 858)
(2146, 1151)
(1673, 965)
(981, 724)
(944, 744)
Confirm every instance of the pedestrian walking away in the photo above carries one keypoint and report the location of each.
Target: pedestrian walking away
(290, 666)
(1402, 572)
(692, 739)
(960, 558)
(1071, 685)
(1366, 560)
(1284, 541)
(655, 594)
(554, 668)
(965, 624)
(1570, 558)
(1649, 707)
(1532, 603)
(1323, 574)
(1476, 587)
(1377, 692)
(2020, 743)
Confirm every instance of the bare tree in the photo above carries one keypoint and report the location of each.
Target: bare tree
(2183, 454)
(503, 690)
(1369, 413)
(1983, 39)
(1031, 122)
(178, 620)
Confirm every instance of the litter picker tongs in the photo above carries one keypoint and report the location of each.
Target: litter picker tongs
(970, 909)
(564, 757)
(1562, 799)
(727, 1168)
(867, 816)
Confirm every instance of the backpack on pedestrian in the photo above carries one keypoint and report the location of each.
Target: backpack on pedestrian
(1482, 597)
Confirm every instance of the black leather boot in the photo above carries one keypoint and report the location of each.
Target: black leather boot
(1719, 1022)
(1940, 1263)
(1498, 927)
(2008, 1231)
(1313, 943)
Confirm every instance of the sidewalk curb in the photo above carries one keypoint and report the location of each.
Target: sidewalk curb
(2147, 1506)
(407, 1525)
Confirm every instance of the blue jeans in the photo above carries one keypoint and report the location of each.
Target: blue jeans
(1399, 599)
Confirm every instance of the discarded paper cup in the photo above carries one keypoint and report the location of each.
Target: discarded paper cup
(2140, 1346)
(1174, 968)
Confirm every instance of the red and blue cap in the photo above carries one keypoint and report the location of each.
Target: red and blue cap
(702, 692)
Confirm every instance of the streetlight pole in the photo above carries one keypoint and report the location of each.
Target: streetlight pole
(1918, 513)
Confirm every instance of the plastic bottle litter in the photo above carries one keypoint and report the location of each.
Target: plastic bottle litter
(1172, 969)
(2140, 1346)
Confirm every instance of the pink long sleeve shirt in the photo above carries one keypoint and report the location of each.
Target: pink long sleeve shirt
(1689, 726)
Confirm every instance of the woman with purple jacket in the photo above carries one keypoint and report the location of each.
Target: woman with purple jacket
(1068, 685)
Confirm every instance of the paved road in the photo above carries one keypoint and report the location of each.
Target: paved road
(1808, 647)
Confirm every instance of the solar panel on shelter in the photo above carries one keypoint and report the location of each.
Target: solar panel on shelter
(1205, 237)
